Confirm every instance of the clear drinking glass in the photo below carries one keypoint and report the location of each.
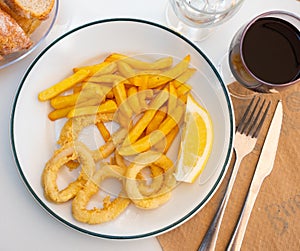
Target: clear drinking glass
(264, 55)
(196, 19)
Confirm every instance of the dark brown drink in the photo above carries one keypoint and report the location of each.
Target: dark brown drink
(271, 50)
(265, 53)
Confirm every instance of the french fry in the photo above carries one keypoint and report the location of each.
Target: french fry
(99, 69)
(91, 68)
(183, 98)
(59, 113)
(173, 118)
(125, 69)
(77, 88)
(137, 99)
(149, 93)
(184, 77)
(149, 72)
(139, 127)
(119, 93)
(121, 98)
(89, 102)
(63, 85)
(140, 80)
(183, 90)
(142, 144)
(60, 102)
(103, 131)
(106, 107)
(110, 95)
(170, 74)
(107, 69)
(133, 99)
(170, 138)
(165, 144)
(88, 92)
(108, 148)
(91, 90)
(108, 78)
(156, 121)
(172, 101)
(114, 57)
(159, 100)
(161, 63)
(142, 97)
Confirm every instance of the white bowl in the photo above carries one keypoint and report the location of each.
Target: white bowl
(33, 136)
(37, 37)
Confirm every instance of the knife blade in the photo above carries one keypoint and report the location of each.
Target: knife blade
(263, 169)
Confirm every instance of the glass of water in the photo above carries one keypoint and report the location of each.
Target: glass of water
(196, 19)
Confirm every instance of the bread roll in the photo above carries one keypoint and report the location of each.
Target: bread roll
(31, 9)
(27, 24)
(12, 36)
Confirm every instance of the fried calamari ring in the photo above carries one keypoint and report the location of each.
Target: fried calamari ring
(145, 187)
(73, 127)
(131, 184)
(151, 185)
(111, 209)
(69, 152)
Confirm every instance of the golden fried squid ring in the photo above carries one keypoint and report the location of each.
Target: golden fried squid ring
(147, 188)
(73, 127)
(111, 209)
(69, 152)
(163, 195)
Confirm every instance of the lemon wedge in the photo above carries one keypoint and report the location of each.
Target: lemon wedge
(196, 142)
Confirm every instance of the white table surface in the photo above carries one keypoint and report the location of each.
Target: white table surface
(24, 225)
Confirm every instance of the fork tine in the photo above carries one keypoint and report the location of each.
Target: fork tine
(245, 121)
(242, 122)
(256, 132)
(252, 120)
(249, 124)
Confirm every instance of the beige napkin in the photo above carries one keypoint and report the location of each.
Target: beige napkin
(274, 222)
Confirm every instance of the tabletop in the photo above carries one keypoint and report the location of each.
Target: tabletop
(24, 224)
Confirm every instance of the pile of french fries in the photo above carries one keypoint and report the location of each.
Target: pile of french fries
(147, 98)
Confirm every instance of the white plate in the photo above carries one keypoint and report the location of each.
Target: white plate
(34, 137)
